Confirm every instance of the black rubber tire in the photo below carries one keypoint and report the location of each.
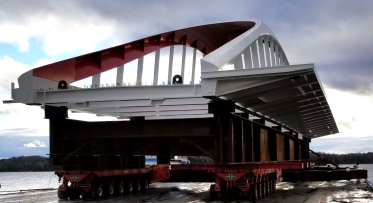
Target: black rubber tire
(98, 191)
(254, 192)
(93, 191)
(273, 186)
(137, 186)
(144, 185)
(265, 189)
(112, 189)
(226, 195)
(62, 194)
(101, 188)
(270, 187)
(260, 190)
(212, 192)
(129, 187)
(121, 188)
(73, 194)
(84, 195)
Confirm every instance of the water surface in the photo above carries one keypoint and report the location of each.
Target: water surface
(17, 181)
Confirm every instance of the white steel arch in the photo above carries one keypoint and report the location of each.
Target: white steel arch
(260, 80)
(227, 54)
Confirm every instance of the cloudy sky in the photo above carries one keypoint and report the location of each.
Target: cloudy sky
(335, 35)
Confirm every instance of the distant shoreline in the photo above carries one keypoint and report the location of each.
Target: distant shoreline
(27, 164)
(42, 164)
(351, 158)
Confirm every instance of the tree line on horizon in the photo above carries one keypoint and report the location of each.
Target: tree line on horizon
(26, 163)
(350, 158)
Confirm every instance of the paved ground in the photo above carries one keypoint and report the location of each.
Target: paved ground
(309, 192)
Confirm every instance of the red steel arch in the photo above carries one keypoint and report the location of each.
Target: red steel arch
(205, 38)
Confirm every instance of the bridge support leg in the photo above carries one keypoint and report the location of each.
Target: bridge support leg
(247, 145)
(164, 157)
(222, 112)
(237, 139)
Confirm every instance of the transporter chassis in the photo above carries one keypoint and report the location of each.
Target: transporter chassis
(104, 183)
(252, 181)
(247, 180)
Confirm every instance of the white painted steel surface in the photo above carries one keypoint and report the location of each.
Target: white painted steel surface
(261, 81)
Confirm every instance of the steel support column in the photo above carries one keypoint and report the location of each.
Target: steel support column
(222, 112)
(170, 64)
(272, 52)
(247, 58)
(256, 140)
(120, 71)
(261, 51)
(96, 80)
(194, 66)
(247, 145)
(237, 139)
(156, 67)
(183, 62)
(140, 67)
(272, 139)
(225, 131)
(267, 53)
(255, 56)
(164, 157)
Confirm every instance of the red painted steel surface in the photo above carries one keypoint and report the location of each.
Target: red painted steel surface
(205, 38)
(226, 174)
(241, 179)
(230, 173)
(158, 173)
(243, 166)
(230, 176)
(74, 176)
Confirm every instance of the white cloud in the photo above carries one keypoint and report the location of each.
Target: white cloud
(40, 144)
(43, 62)
(352, 112)
(20, 116)
(83, 35)
(11, 69)
(15, 116)
(36, 143)
(29, 145)
(63, 28)
(67, 26)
